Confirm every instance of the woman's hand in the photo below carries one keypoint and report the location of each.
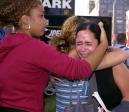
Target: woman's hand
(103, 36)
(53, 79)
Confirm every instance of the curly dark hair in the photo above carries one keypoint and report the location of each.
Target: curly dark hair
(12, 10)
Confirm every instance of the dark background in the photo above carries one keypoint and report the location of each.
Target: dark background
(56, 21)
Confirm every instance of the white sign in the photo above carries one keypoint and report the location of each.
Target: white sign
(60, 4)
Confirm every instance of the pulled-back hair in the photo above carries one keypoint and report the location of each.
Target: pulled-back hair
(12, 10)
(91, 26)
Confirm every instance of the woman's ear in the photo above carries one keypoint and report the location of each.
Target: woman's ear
(25, 22)
(25, 19)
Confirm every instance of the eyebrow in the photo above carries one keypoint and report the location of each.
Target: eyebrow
(78, 41)
(82, 42)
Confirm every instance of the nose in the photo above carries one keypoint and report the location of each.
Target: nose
(83, 47)
(46, 22)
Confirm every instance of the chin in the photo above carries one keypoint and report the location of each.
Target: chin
(40, 33)
(84, 56)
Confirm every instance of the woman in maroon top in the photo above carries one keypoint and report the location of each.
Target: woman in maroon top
(26, 61)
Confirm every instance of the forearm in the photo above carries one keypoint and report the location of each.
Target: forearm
(121, 77)
(95, 58)
(113, 58)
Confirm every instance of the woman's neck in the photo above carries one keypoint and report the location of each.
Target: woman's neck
(21, 31)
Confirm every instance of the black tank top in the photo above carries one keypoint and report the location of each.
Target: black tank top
(107, 88)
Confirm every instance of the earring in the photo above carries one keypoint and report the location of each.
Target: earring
(29, 27)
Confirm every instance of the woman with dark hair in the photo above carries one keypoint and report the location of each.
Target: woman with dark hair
(87, 39)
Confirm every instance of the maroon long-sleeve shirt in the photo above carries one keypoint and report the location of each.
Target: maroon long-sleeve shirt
(24, 66)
